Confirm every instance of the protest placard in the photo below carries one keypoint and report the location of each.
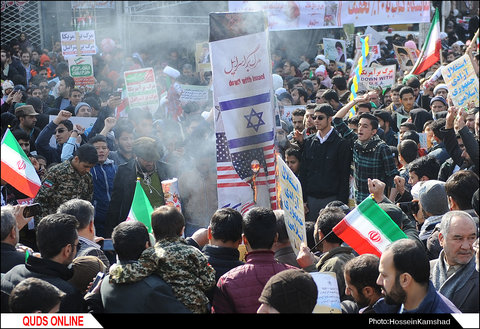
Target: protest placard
(288, 110)
(405, 56)
(379, 76)
(462, 81)
(328, 300)
(81, 70)
(142, 89)
(202, 57)
(334, 49)
(78, 43)
(193, 93)
(292, 204)
(85, 122)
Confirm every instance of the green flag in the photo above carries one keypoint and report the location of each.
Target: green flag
(141, 209)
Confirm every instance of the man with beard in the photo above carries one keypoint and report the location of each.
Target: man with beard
(453, 274)
(145, 165)
(57, 240)
(360, 275)
(405, 283)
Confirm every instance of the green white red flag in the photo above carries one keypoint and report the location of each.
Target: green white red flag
(17, 170)
(431, 49)
(368, 229)
(141, 209)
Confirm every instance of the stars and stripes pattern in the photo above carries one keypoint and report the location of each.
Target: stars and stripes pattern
(230, 176)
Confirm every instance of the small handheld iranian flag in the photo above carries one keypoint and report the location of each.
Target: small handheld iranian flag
(368, 229)
(431, 49)
(141, 209)
(17, 170)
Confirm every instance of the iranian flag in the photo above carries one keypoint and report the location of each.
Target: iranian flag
(141, 209)
(17, 170)
(368, 229)
(431, 49)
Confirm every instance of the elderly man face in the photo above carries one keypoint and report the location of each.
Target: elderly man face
(458, 241)
(442, 92)
(438, 106)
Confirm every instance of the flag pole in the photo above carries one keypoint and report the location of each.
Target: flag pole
(318, 243)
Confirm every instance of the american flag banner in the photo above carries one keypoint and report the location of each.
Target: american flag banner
(244, 122)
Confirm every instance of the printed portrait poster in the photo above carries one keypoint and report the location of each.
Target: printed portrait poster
(202, 57)
(334, 49)
(406, 57)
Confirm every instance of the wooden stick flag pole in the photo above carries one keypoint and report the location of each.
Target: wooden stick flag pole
(318, 243)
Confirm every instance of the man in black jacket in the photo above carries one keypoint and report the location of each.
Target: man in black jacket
(325, 164)
(57, 241)
(145, 166)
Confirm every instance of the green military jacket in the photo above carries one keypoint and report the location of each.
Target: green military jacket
(60, 184)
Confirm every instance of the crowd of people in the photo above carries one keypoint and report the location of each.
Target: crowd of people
(202, 259)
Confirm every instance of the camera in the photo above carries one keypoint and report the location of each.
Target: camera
(411, 207)
(32, 210)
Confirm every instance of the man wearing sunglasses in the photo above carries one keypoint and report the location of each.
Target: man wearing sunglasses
(325, 164)
(61, 127)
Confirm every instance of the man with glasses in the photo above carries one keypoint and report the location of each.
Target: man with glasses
(325, 164)
(61, 127)
(57, 241)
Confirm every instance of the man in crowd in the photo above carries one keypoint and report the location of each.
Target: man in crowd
(325, 164)
(147, 166)
(453, 274)
(371, 156)
(68, 180)
(406, 284)
(57, 241)
(238, 290)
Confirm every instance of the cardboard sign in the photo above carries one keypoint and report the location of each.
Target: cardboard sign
(81, 70)
(328, 300)
(335, 50)
(202, 57)
(462, 81)
(292, 204)
(142, 89)
(194, 93)
(78, 43)
(383, 76)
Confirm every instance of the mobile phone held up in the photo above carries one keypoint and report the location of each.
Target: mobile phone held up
(99, 277)
(34, 209)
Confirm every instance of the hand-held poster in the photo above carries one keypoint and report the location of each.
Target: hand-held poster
(244, 115)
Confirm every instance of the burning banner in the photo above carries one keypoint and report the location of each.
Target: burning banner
(244, 116)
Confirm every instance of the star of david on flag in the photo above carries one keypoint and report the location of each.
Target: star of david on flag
(248, 123)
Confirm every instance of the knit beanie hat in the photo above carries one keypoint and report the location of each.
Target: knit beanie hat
(79, 105)
(44, 58)
(433, 197)
(85, 268)
(290, 291)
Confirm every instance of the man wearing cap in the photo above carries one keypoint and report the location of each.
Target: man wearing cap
(27, 118)
(441, 90)
(433, 204)
(325, 164)
(385, 121)
(290, 291)
(83, 109)
(438, 104)
(146, 166)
